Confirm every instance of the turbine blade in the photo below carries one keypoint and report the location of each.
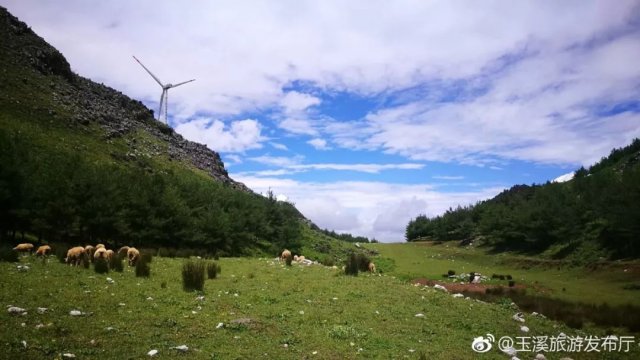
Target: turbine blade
(150, 73)
(184, 82)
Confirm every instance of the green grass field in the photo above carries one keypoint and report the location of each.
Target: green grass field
(311, 312)
(606, 284)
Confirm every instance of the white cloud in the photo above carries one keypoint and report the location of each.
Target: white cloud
(280, 161)
(239, 136)
(372, 209)
(447, 177)
(295, 102)
(279, 146)
(243, 56)
(232, 160)
(318, 144)
(367, 168)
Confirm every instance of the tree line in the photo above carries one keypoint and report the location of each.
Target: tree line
(597, 214)
(63, 196)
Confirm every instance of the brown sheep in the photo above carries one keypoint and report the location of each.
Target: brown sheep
(101, 253)
(43, 250)
(123, 251)
(76, 255)
(372, 267)
(24, 248)
(295, 258)
(286, 254)
(134, 255)
(300, 258)
(100, 246)
(110, 254)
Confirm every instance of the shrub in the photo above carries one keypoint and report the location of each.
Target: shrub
(115, 263)
(512, 283)
(146, 256)
(193, 275)
(143, 269)
(327, 261)
(101, 266)
(363, 262)
(86, 260)
(509, 277)
(7, 254)
(351, 266)
(451, 272)
(163, 285)
(212, 270)
(288, 260)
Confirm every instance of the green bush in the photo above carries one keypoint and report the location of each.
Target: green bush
(212, 269)
(143, 269)
(8, 254)
(351, 265)
(146, 256)
(115, 263)
(101, 266)
(193, 275)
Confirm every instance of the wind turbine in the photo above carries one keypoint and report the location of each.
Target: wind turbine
(164, 98)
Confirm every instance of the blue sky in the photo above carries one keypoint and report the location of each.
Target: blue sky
(366, 114)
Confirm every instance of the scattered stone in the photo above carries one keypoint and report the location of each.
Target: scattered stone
(110, 280)
(540, 357)
(22, 268)
(16, 310)
(150, 298)
(42, 310)
(301, 312)
(182, 348)
(524, 329)
(24, 343)
(76, 313)
(440, 287)
(200, 298)
(510, 351)
(457, 295)
(68, 356)
(518, 317)
(152, 352)
(420, 315)
(314, 353)
(220, 326)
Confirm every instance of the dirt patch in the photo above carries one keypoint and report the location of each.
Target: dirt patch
(457, 287)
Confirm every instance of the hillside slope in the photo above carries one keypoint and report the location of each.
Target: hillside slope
(81, 162)
(594, 215)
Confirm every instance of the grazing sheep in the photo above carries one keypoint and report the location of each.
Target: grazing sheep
(100, 246)
(134, 255)
(110, 254)
(372, 267)
(123, 251)
(90, 249)
(295, 258)
(76, 255)
(24, 248)
(286, 254)
(43, 250)
(101, 253)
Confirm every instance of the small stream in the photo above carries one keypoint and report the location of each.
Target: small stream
(574, 314)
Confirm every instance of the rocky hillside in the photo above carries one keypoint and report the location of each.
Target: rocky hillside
(83, 163)
(80, 103)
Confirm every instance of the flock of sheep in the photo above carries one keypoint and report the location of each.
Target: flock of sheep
(76, 255)
(286, 255)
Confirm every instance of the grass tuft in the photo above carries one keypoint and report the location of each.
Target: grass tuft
(193, 275)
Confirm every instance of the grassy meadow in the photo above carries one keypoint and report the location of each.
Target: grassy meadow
(603, 284)
(267, 310)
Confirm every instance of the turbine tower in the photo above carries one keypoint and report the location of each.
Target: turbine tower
(164, 98)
